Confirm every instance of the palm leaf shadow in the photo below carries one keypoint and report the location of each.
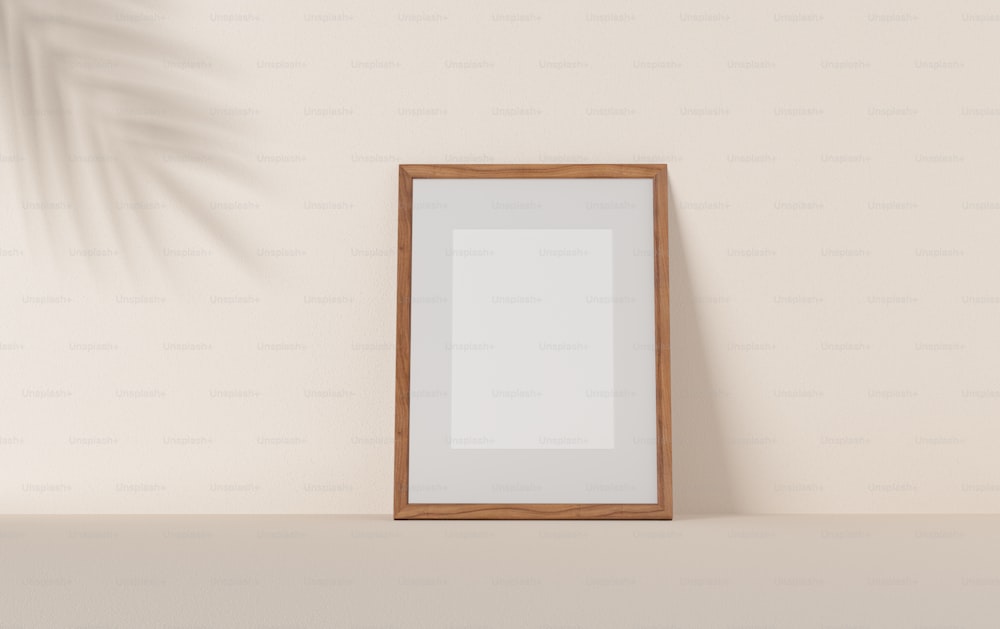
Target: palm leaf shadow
(100, 118)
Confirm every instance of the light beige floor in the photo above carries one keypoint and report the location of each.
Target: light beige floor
(290, 572)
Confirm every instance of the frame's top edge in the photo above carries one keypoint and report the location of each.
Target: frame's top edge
(610, 171)
(535, 165)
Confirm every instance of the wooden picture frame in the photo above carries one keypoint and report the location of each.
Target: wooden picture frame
(662, 508)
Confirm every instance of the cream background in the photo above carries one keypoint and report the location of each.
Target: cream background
(834, 203)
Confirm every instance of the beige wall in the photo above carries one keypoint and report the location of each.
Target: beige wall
(197, 229)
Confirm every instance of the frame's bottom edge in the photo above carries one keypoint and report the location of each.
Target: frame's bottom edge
(521, 511)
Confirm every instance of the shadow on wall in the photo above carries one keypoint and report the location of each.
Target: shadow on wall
(114, 135)
(702, 476)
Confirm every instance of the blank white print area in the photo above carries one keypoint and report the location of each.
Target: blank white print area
(532, 341)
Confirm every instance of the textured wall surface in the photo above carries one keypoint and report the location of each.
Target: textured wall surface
(198, 221)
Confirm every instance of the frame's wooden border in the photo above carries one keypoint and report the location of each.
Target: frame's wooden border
(663, 509)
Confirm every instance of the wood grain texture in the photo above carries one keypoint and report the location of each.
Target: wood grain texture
(532, 171)
(661, 281)
(460, 511)
(403, 273)
(663, 509)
